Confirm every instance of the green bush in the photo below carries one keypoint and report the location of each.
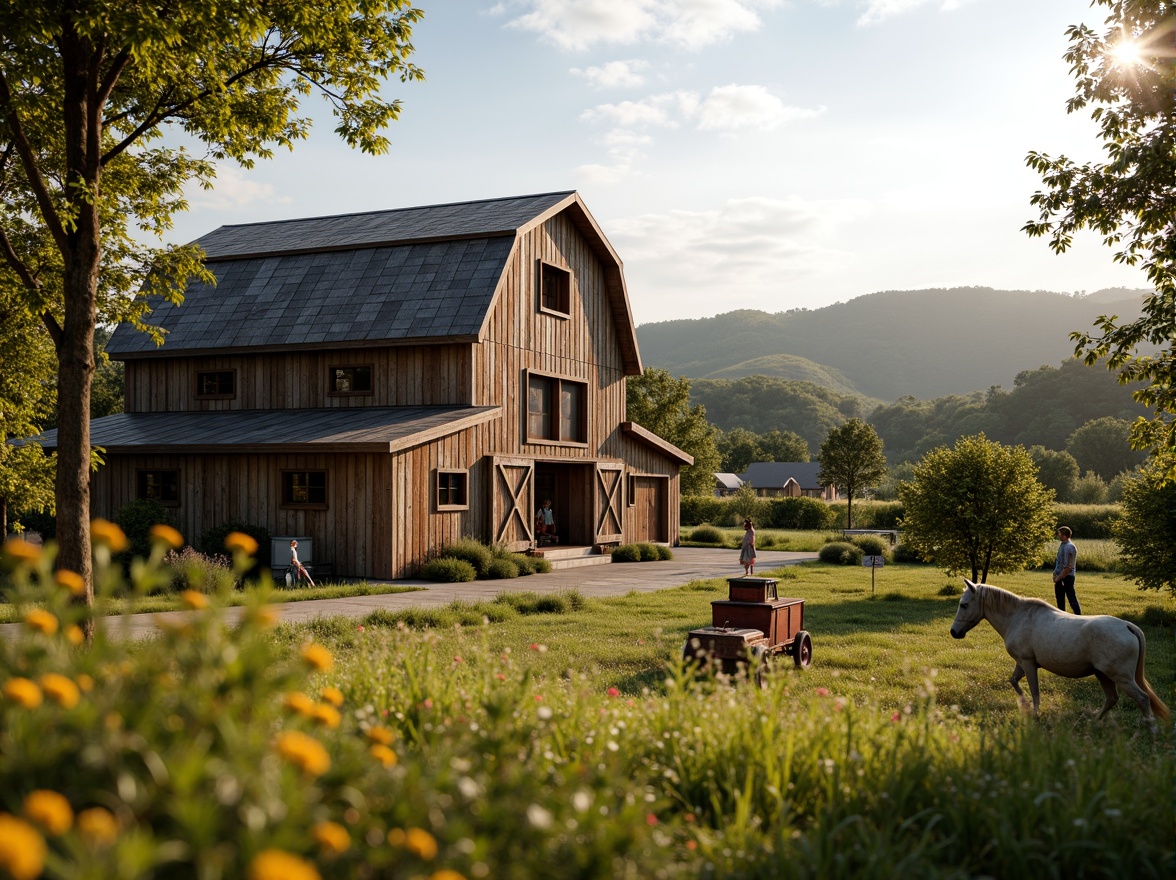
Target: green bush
(698, 509)
(801, 514)
(904, 553)
(868, 514)
(563, 602)
(626, 553)
(648, 552)
(193, 570)
(663, 552)
(212, 541)
(448, 569)
(708, 534)
(872, 545)
(531, 564)
(1089, 520)
(477, 554)
(840, 553)
(136, 520)
(502, 569)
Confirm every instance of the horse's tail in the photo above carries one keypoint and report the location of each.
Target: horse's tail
(1157, 705)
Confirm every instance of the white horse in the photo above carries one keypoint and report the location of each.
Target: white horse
(1037, 635)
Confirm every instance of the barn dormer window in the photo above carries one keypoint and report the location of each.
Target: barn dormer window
(556, 409)
(216, 384)
(555, 289)
(351, 380)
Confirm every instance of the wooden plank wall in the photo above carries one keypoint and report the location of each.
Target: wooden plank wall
(401, 376)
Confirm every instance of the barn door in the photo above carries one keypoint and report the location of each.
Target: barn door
(649, 508)
(512, 502)
(610, 502)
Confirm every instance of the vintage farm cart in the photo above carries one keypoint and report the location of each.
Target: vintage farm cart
(749, 628)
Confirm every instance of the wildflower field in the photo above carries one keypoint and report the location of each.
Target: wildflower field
(567, 744)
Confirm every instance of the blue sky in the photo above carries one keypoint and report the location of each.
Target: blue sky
(738, 153)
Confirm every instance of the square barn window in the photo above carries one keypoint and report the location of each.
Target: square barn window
(304, 488)
(161, 486)
(351, 380)
(556, 409)
(216, 384)
(555, 289)
(453, 489)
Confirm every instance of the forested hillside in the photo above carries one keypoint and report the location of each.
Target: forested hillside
(920, 343)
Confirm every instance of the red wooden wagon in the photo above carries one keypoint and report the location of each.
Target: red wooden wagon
(749, 628)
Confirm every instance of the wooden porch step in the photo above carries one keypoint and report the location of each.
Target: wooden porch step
(571, 557)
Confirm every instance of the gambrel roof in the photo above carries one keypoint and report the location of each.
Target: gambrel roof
(413, 275)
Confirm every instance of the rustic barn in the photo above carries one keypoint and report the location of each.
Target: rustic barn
(784, 479)
(387, 382)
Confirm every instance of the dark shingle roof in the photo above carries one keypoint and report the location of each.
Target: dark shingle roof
(415, 273)
(343, 429)
(774, 474)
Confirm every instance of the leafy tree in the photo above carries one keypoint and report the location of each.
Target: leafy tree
(976, 507)
(1126, 76)
(1056, 470)
(852, 460)
(1146, 532)
(87, 90)
(745, 504)
(661, 403)
(738, 448)
(783, 446)
(1104, 447)
(1090, 489)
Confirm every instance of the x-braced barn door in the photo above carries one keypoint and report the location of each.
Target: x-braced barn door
(512, 502)
(610, 502)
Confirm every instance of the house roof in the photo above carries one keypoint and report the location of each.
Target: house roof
(411, 275)
(774, 474)
(729, 481)
(342, 429)
(665, 447)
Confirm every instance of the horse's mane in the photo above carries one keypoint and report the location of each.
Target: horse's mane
(1001, 600)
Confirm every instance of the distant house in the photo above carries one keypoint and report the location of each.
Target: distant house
(788, 479)
(727, 484)
(388, 382)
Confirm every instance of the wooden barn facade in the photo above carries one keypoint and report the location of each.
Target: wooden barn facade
(388, 382)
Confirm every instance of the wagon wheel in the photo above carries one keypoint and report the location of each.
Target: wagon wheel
(802, 650)
(761, 659)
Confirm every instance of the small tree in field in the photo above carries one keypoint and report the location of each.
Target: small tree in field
(976, 507)
(852, 460)
(1147, 530)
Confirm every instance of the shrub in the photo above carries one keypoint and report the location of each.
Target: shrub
(212, 540)
(840, 553)
(708, 534)
(904, 553)
(663, 552)
(136, 520)
(531, 564)
(648, 552)
(801, 514)
(500, 569)
(698, 509)
(563, 602)
(477, 554)
(1089, 520)
(191, 569)
(448, 569)
(872, 545)
(626, 553)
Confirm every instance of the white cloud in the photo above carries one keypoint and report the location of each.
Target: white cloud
(691, 24)
(234, 190)
(614, 74)
(733, 107)
(665, 110)
(624, 149)
(878, 11)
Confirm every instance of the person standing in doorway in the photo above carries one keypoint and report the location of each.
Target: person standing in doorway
(545, 523)
(298, 566)
(1063, 574)
(747, 551)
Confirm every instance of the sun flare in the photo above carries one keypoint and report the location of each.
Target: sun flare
(1126, 53)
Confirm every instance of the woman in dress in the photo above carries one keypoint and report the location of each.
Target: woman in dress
(747, 551)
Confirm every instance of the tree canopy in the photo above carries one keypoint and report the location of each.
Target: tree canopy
(661, 403)
(740, 447)
(1146, 532)
(976, 507)
(852, 460)
(89, 89)
(1125, 76)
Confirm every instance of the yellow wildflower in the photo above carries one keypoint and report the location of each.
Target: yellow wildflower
(21, 550)
(446, 874)
(420, 843)
(383, 754)
(194, 600)
(42, 621)
(381, 735)
(304, 752)
(75, 635)
(50, 810)
(331, 837)
(85, 683)
(71, 580)
(327, 716)
(299, 703)
(241, 541)
(396, 837)
(275, 864)
(318, 657)
(22, 849)
(266, 617)
(167, 535)
(98, 826)
(60, 689)
(23, 692)
(331, 695)
(108, 533)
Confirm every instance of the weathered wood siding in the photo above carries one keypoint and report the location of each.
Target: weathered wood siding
(422, 375)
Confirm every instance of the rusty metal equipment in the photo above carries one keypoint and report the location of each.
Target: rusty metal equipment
(749, 628)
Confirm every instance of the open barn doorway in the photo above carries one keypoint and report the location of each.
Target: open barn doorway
(569, 486)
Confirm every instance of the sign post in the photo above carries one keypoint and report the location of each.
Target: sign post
(873, 563)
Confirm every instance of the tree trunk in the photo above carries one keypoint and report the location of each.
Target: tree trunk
(3, 518)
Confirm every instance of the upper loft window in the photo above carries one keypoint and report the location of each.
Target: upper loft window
(351, 380)
(161, 486)
(555, 289)
(216, 384)
(556, 409)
